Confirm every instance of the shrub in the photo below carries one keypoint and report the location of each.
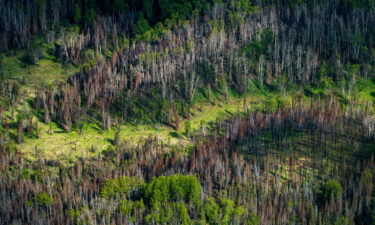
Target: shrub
(253, 219)
(211, 209)
(182, 213)
(43, 199)
(187, 128)
(141, 27)
(331, 187)
(121, 187)
(89, 55)
(172, 188)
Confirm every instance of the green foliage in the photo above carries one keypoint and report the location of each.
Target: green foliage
(239, 9)
(331, 187)
(172, 12)
(159, 30)
(211, 209)
(325, 82)
(121, 187)
(342, 221)
(228, 210)
(90, 16)
(172, 188)
(367, 177)
(178, 7)
(324, 69)
(223, 213)
(44, 199)
(151, 108)
(126, 207)
(161, 216)
(24, 115)
(26, 173)
(12, 147)
(89, 54)
(235, 18)
(364, 4)
(78, 216)
(216, 26)
(129, 208)
(243, 6)
(76, 14)
(142, 28)
(297, 2)
(148, 9)
(74, 214)
(29, 58)
(257, 48)
(188, 128)
(33, 53)
(119, 6)
(182, 213)
(253, 219)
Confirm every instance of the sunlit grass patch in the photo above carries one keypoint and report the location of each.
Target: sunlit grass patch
(46, 72)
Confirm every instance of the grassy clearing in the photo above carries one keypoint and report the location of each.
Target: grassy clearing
(54, 143)
(366, 90)
(46, 72)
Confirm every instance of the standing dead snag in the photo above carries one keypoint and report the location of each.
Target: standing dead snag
(117, 140)
(47, 118)
(191, 81)
(106, 120)
(20, 126)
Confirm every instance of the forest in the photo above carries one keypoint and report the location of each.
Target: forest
(255, 112)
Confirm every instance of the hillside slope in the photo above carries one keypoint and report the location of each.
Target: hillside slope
(187, 112)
